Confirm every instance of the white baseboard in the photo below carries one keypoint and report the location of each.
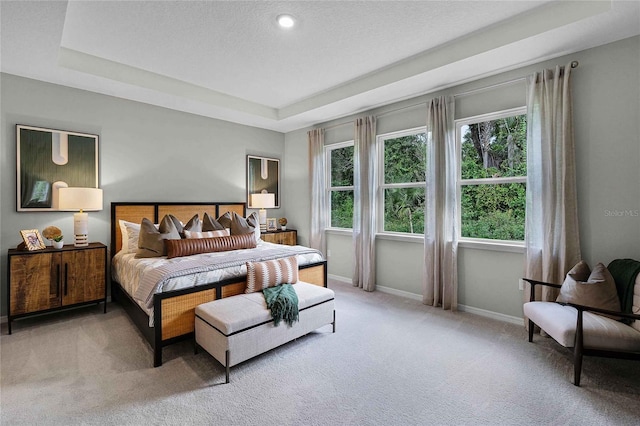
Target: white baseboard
(490, 314)
(400, 293)
(462, 308)
(339, 278)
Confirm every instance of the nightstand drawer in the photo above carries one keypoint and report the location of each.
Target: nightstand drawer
(288, 237)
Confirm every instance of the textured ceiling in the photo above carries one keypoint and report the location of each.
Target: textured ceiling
(229, 60)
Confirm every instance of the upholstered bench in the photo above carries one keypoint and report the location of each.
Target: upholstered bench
(237, 328)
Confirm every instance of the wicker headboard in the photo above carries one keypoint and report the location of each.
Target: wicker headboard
(155, 211)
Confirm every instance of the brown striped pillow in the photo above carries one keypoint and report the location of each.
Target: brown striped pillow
(270, 273)
(206, 234)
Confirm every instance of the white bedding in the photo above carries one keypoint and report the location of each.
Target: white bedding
(131, 272)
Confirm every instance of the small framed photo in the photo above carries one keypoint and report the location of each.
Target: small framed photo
(272, 224)
(32, 239)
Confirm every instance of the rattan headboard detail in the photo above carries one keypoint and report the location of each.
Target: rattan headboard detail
(135, 212)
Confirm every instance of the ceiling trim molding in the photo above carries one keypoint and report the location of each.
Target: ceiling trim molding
(94, 65)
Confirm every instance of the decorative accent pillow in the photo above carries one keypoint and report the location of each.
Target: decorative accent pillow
(129, 232)
(188, 247)
(210, 224)
(151, 239)
(270, 273)
(240, 225)
(207, 234)
(194, 225)
(597, 290)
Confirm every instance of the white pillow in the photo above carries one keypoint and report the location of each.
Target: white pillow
(207, 234)
(130, 232)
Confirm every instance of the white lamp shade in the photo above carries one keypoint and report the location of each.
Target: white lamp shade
(75, 198)
(263, 201)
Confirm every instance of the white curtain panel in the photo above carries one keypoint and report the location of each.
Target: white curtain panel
(318, 190)
(364, 204)
(552, 241)
(440, 276)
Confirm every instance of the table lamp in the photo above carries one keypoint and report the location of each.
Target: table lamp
(263, 201)
(80, 199)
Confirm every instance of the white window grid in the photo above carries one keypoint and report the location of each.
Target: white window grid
(382, 185)
(485, 181)
(329, 188)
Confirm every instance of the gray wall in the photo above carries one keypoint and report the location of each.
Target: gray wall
(151, 153)
(147, 153)
(606, 94)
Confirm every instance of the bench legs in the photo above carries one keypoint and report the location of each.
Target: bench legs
(226, 365)
(334, 321)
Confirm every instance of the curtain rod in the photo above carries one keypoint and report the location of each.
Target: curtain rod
(574, 64)
(379, 115)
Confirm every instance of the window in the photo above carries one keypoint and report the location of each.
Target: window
(402, 172)
(340, 184)
(492, 175)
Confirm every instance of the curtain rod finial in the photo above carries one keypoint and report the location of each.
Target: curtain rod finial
(574, 64)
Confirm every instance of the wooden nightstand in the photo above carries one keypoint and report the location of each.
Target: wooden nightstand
(288, 237)
(53, 279)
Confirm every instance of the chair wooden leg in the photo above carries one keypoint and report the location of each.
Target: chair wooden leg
(531, 325)
(577, 350)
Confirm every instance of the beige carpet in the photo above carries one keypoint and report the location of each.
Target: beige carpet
(392, 361)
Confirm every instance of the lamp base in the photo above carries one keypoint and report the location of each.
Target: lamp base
(81, 240)
(80, 229)
(262, 218)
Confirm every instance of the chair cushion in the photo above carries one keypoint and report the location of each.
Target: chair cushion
(600, 332)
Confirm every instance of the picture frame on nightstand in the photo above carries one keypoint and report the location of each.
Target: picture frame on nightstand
(32, 239)
(272, 224)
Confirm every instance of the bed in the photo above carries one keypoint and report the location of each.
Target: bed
(172, 312)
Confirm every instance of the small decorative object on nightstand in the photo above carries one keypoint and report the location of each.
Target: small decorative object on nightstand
(32, 240)
(271, 224)
(54, 234)
(283, 223)
(53, 279)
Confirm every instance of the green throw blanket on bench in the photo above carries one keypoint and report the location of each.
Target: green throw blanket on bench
(282, 300)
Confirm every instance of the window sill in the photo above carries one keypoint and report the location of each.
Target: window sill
(339, 231)
(505, 246)
(497, 245)
(408, 238)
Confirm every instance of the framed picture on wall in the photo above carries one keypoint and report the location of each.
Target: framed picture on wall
(48, 159)
(263, 176)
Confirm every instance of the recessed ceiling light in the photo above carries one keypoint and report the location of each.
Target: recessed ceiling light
(286, 21)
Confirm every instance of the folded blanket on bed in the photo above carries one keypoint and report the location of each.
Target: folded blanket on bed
(282, 300)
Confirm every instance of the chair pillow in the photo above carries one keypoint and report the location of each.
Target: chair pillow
(151, 239)
(597, 291)
(270, 273)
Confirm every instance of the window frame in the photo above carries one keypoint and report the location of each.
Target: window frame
(329, 189)
(484, 243)
(382, 186)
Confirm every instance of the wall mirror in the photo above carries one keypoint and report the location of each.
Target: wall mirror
(49, 159)
(263, 176)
